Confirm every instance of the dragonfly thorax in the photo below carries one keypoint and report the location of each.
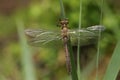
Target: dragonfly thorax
(64, 27)
(64, 32)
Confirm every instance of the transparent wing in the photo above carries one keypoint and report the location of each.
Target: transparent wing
(41, 37)
(87, 35)
(96, 28)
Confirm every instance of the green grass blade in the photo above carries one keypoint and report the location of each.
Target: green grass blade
(73, 67)
(26, 56)
(78, 46)
(114, 65)
(62, 10)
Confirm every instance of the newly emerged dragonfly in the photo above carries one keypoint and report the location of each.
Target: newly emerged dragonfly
(42, 37)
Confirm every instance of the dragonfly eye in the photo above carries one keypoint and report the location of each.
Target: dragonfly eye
(62, 22)
(66, 22)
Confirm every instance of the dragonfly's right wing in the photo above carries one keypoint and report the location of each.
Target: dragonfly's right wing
(96, 28)
(86, 35)
(41, 37)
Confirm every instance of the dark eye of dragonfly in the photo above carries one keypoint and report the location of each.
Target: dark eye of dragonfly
(64, 22)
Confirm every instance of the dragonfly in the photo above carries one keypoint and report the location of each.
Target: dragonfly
(43, 37)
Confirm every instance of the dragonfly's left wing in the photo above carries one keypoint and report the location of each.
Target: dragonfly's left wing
(41, 37)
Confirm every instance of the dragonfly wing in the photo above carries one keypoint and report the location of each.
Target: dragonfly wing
(41, 37)
(86, 35)
(96, 28)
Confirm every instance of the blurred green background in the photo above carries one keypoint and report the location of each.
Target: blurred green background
(48, 63)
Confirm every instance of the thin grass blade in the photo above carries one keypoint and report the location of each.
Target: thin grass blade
(26, 56)
(73, 67)
(114, 65)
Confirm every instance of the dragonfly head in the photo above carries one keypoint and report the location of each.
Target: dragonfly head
(63, 22)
